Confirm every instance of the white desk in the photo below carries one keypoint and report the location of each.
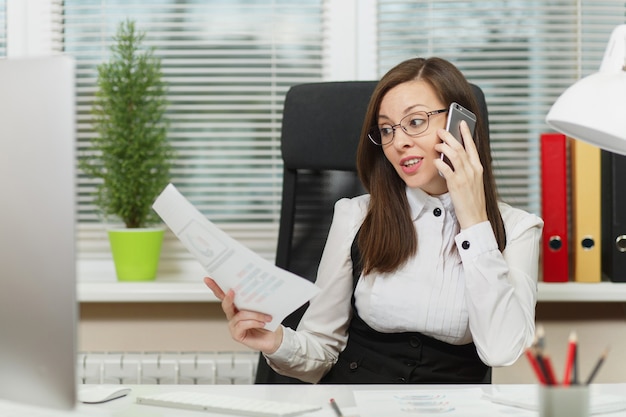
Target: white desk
(320, 394)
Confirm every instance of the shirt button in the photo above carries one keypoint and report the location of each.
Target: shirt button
(465, 244)
(414, 342)
(353, 366)
(437, 212)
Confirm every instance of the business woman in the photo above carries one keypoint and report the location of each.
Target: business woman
(428, 278)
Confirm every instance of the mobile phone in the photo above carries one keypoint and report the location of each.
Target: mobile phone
(456, 113)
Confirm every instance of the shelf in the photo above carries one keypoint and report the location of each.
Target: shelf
(97, 284)
(155, 291)
(192, 291)
(582, 292)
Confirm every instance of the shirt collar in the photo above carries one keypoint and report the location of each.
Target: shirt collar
(419, 200)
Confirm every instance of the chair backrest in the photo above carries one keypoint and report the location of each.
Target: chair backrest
(320, 133)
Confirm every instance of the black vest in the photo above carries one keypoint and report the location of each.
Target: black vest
(371, 357)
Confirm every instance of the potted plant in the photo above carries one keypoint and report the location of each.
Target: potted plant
(130, 155)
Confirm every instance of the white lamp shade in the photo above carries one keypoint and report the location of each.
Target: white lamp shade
(594, 110)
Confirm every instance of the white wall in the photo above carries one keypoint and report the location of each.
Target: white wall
(137, 327)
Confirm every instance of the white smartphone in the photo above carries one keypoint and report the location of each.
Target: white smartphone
(456, 113)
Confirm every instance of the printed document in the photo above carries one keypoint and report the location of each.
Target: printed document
(419, 401)
(258, 284)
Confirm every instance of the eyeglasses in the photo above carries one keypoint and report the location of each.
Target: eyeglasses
(412, 124)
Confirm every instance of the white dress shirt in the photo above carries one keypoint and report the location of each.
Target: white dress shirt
(458, 288)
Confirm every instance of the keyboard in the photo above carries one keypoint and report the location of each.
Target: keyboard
(237, 405)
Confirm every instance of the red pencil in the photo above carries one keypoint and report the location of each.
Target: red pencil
(530, 354)
(569, 360)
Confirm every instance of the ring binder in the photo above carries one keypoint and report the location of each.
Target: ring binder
(614, 216)
(554, 207)
(586, 187)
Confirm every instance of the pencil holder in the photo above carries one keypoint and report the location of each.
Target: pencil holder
(558, 401)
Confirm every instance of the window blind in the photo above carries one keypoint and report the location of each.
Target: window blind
(523, 54)
(228, 65)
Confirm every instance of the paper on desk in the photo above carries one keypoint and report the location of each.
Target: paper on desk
(259, 285)
(406, 402)
(599, 403)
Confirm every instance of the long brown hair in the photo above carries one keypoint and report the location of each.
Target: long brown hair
(387, 237)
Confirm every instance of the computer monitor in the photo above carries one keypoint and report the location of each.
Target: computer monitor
(38, 307)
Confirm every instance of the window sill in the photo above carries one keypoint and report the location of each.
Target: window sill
(179, 281)
(182, 282)
(151, 291)
(169, 290)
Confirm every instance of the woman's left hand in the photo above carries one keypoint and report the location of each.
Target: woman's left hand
(465, 182)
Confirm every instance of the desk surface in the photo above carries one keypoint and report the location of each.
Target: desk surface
(467, 400)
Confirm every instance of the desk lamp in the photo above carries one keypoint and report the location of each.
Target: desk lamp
(594, 108)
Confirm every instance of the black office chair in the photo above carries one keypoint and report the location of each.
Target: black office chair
(320, 133)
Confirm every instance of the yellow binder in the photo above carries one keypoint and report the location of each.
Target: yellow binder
(586, 183)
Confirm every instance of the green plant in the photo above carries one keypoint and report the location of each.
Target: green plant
(130, 154)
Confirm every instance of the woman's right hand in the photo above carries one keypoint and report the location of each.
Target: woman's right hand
(246, 327)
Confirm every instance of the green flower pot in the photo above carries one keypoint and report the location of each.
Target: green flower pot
(136, 253)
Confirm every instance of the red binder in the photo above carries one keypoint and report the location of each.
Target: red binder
(554, 207)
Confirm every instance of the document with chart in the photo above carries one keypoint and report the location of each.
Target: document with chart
(258, 284)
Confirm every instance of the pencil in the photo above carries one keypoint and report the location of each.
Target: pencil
(335, 407)
(547, 363)
(530, 354)
(569, 360)
(574, 380)
(596, 368)
(540, 338)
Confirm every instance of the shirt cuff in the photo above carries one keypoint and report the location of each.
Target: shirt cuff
(476, 240)
(286, 349)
